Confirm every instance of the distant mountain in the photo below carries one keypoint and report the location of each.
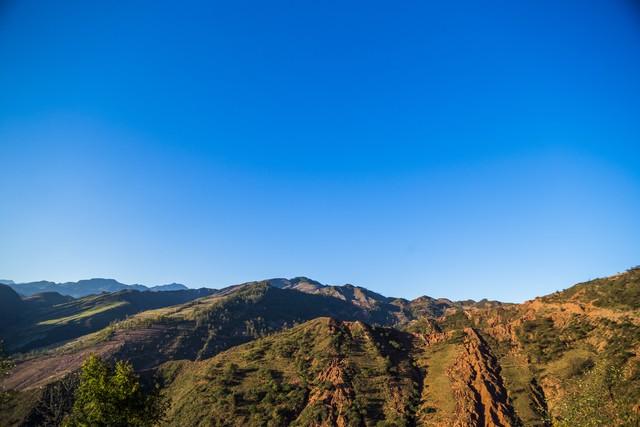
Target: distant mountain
(6, 282)
(47, 299)
(381, 310)
(303, 284)
(83, 288)
(169, 287)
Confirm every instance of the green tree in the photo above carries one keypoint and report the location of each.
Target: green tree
(113, 398)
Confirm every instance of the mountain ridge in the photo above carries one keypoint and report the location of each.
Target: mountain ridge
(86, 287)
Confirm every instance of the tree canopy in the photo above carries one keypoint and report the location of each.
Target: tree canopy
(113, 397)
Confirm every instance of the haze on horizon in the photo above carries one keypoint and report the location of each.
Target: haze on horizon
(459, 151)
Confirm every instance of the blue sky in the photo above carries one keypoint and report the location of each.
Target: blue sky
(451, 149)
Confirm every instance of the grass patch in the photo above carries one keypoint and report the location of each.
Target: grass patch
(438, 402)
(83, 314)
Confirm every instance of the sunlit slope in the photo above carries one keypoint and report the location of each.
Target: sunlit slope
(327, 372)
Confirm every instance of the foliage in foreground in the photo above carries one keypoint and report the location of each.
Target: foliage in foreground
(113, 397)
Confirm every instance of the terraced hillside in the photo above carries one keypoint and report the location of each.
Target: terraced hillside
(296, 352)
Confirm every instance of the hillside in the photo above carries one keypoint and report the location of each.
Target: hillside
(619, 292)
(48, 318)
(194, 330)
(323, 371)
(483, 364)
(327, 372)
(530, 364)
(297, 352)
(381, 309)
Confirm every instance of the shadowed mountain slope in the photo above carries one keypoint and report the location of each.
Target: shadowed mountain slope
(49, 318)
(11, 306)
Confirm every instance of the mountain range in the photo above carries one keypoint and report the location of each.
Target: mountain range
(297, 352)
(86, 287)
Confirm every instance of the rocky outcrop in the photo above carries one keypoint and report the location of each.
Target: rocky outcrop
(481, 397)
(334, 393)
(435, 338)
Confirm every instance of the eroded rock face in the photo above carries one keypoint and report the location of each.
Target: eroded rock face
(336, 394)
(435, 338)
(481, 397)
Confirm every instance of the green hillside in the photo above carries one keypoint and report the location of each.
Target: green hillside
(616, 292)
(323, 371)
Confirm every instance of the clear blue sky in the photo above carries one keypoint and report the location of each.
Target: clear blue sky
(462, 149)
